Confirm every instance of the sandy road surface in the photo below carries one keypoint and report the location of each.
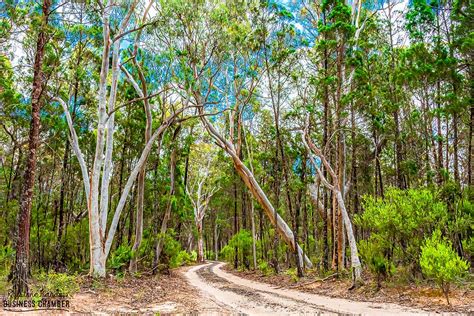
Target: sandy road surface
(254, 298)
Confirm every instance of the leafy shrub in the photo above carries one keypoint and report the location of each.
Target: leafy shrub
(400, 222)
(173, 252)
(171, 249)
(120, 258)
(373, 256)
(293, 274)
(194, 256)
(182, 258)
(243, 242)
(460, 203)
(57, 284)
(440, 262)
(7, 254)
(265, 268)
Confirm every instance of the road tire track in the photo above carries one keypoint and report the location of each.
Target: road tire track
(248, 297)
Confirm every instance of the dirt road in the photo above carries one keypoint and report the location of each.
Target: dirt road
(253, 298)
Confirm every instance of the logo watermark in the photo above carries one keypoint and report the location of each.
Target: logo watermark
(35, 301)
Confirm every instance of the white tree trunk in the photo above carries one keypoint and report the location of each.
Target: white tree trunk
(200, 198)
(257, 192)
(355, 262)
(102, 166)
(200, 242)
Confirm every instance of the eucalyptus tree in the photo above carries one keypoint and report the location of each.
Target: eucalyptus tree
(278, 47)
(339, 27)
(21, 271)
(205, 54)
(201, 186)
(97, 185)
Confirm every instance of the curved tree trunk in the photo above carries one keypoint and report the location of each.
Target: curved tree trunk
(355, 261)
(257, 192)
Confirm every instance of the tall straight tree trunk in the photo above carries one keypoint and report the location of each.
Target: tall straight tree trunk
(254, 246)
(236, 224)
(470, 152)
(21, 265)
(216, 238)
(354, 175)
(138, 219)
(396, 114)
(340, 153)
(398, 152)
(142, 174)
(62, 194)
(439, 134)
(252, 206)
(455, 147)
(200, 243)
(326, 214)
(299, 263)
(164, 222)
(64, 180)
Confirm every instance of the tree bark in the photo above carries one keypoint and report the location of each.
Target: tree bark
(338, 195)
(20, 270)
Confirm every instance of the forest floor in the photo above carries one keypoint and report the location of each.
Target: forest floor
(209, 289)
(421, 297)
(163, 294)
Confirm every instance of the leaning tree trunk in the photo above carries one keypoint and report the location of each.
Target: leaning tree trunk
(355, 262)
(21, 267)
(257, 192)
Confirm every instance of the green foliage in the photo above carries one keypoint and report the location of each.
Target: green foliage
(401, 225)
(400, 222)
(313, 54)
(419, 18)
(183, 258)
(265, 268)
(120, 258)
(293, 274)
(440, 262)
(373, 256)
(242, 241)
(56, 284)
(7, 255)
(173, 251)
